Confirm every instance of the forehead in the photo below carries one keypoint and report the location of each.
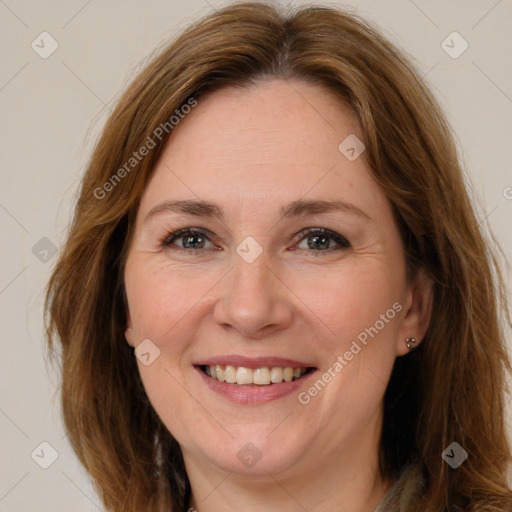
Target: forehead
(271, 143)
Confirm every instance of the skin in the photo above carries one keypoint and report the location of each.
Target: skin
(251, 151)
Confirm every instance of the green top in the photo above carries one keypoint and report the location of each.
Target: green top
(399, 496)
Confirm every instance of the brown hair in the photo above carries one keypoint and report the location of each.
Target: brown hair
(449, 389)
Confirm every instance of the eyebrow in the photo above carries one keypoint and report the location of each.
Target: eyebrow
(298, 208)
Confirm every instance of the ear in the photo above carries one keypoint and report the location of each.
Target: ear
(418, 310)
(129, 334)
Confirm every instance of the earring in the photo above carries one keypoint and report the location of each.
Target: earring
(410, 342)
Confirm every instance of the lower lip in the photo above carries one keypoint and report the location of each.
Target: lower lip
(253, 393)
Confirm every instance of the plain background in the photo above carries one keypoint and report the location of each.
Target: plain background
(52, 111)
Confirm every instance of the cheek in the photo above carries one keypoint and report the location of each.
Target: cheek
(360, 308)
(351, 300)
(162, 296)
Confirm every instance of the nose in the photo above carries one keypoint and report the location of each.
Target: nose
(253, 300)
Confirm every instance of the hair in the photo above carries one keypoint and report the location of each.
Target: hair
(451, 388)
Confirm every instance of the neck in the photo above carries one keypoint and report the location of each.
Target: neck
(349, 479)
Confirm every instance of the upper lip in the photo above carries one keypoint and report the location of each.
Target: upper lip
(252, 362)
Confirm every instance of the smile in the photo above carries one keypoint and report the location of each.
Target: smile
(253, 380)
(265, 376)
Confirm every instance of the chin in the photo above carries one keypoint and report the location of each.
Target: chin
(257, 454)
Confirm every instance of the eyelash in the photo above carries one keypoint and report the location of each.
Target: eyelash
(342, 242)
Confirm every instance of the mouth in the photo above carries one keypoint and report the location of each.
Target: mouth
(255, 380)
(264, 376)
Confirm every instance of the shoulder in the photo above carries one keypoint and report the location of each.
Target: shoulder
(406, 488)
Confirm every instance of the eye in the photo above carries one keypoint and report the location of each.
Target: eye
(317, 239)
(320, 240)
(188, 239)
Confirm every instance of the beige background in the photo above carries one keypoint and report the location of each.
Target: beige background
(52, 111)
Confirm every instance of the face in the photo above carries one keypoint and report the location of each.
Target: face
(263, 254)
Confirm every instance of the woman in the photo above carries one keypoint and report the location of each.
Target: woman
(275, 293)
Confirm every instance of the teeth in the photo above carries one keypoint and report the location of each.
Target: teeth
(219, 371)
(260, 376)
(276, 374)
(288, 374)
(243, 375)
(230, 374)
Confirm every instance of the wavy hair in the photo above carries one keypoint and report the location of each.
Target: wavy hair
(451, 388)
